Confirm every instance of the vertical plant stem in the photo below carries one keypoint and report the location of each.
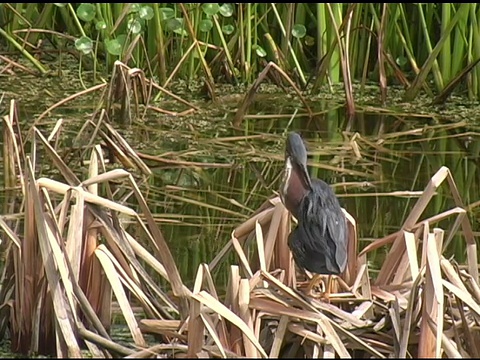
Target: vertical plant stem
(248, 60)
(474, 52)
(242, 45)
(224, 44)
(162, 68)
(445, 53)
(294, 57)
(75, 18)
(321, 30)
(436, 71)
(381, 59)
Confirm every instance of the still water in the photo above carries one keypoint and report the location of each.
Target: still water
(378, 165)
(210, 178)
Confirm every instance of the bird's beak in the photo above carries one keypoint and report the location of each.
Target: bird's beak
(287, 173)
(294, 165)
(304, 175)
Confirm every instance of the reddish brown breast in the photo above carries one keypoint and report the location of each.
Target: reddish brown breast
(296, 190)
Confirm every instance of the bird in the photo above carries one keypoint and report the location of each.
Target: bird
(319, 242)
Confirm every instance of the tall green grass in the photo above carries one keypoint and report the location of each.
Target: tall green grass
(421, 46)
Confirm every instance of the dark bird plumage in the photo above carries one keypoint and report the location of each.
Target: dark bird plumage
(319, 242)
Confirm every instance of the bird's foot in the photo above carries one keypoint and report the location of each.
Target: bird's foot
(319, 295)
(315, 288)
(303, 284)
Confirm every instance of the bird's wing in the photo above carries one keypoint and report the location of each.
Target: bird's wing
(341, 236)
(326, 230)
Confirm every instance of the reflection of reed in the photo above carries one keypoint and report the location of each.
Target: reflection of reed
(68, 251)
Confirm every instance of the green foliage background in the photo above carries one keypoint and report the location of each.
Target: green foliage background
(419, 45)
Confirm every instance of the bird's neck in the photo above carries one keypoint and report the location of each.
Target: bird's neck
(293, 188)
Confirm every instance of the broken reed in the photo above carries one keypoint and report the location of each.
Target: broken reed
(401, 311)
(416, 306)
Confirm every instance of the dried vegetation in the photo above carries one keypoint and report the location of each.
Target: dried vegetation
(69, 255)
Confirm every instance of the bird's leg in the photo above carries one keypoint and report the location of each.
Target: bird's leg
(314, 282)
(308, 278)
(328, 290)
(325, 295)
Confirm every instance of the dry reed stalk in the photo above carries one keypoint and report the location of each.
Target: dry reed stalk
(420, 305)
(247, 100)
(407, 315)
(69, 266)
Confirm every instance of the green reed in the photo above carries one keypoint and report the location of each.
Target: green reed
(422, 46)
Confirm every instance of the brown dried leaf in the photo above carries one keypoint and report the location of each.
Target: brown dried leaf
(53, 261)
(430, 343)
(208, 300)
(279, 336)
(122, 299)
(245, 315)
(211, 329)
(241, 231)
(273, 234)
(241, 255)
(395, 254)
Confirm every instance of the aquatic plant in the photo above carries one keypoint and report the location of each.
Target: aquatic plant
(431, 47)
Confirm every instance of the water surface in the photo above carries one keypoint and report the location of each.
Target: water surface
(216, 176)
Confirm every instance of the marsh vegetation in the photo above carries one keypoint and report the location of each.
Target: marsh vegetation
(140, 187)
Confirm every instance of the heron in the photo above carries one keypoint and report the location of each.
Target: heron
(319, 242)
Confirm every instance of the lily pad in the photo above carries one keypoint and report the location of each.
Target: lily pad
(101, 25)
(86, 12)
(134, 25)
(205, 25)
(226, 10)
(228, 29)
(146, 13)
(167, 13)
(299, 31)
(259, 51)
(211, 8)
(115, 46)
(176, 25)
(84, 44)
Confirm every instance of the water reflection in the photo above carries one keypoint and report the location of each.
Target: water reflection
(365, 158)
(214, 177)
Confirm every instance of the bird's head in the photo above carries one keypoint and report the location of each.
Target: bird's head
(296, 181)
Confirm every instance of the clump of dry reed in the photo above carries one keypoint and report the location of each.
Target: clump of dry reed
(420, 304)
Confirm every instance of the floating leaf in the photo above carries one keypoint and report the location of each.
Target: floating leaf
(226, 10)
(115, 46)
(211, 8)
(101, 25)
(167, 13)
(228, 29)
(86, 12)
(205, 25)
(134, 26)
(146, 12)
(259, 50)
(84, 44)
(299, 31)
